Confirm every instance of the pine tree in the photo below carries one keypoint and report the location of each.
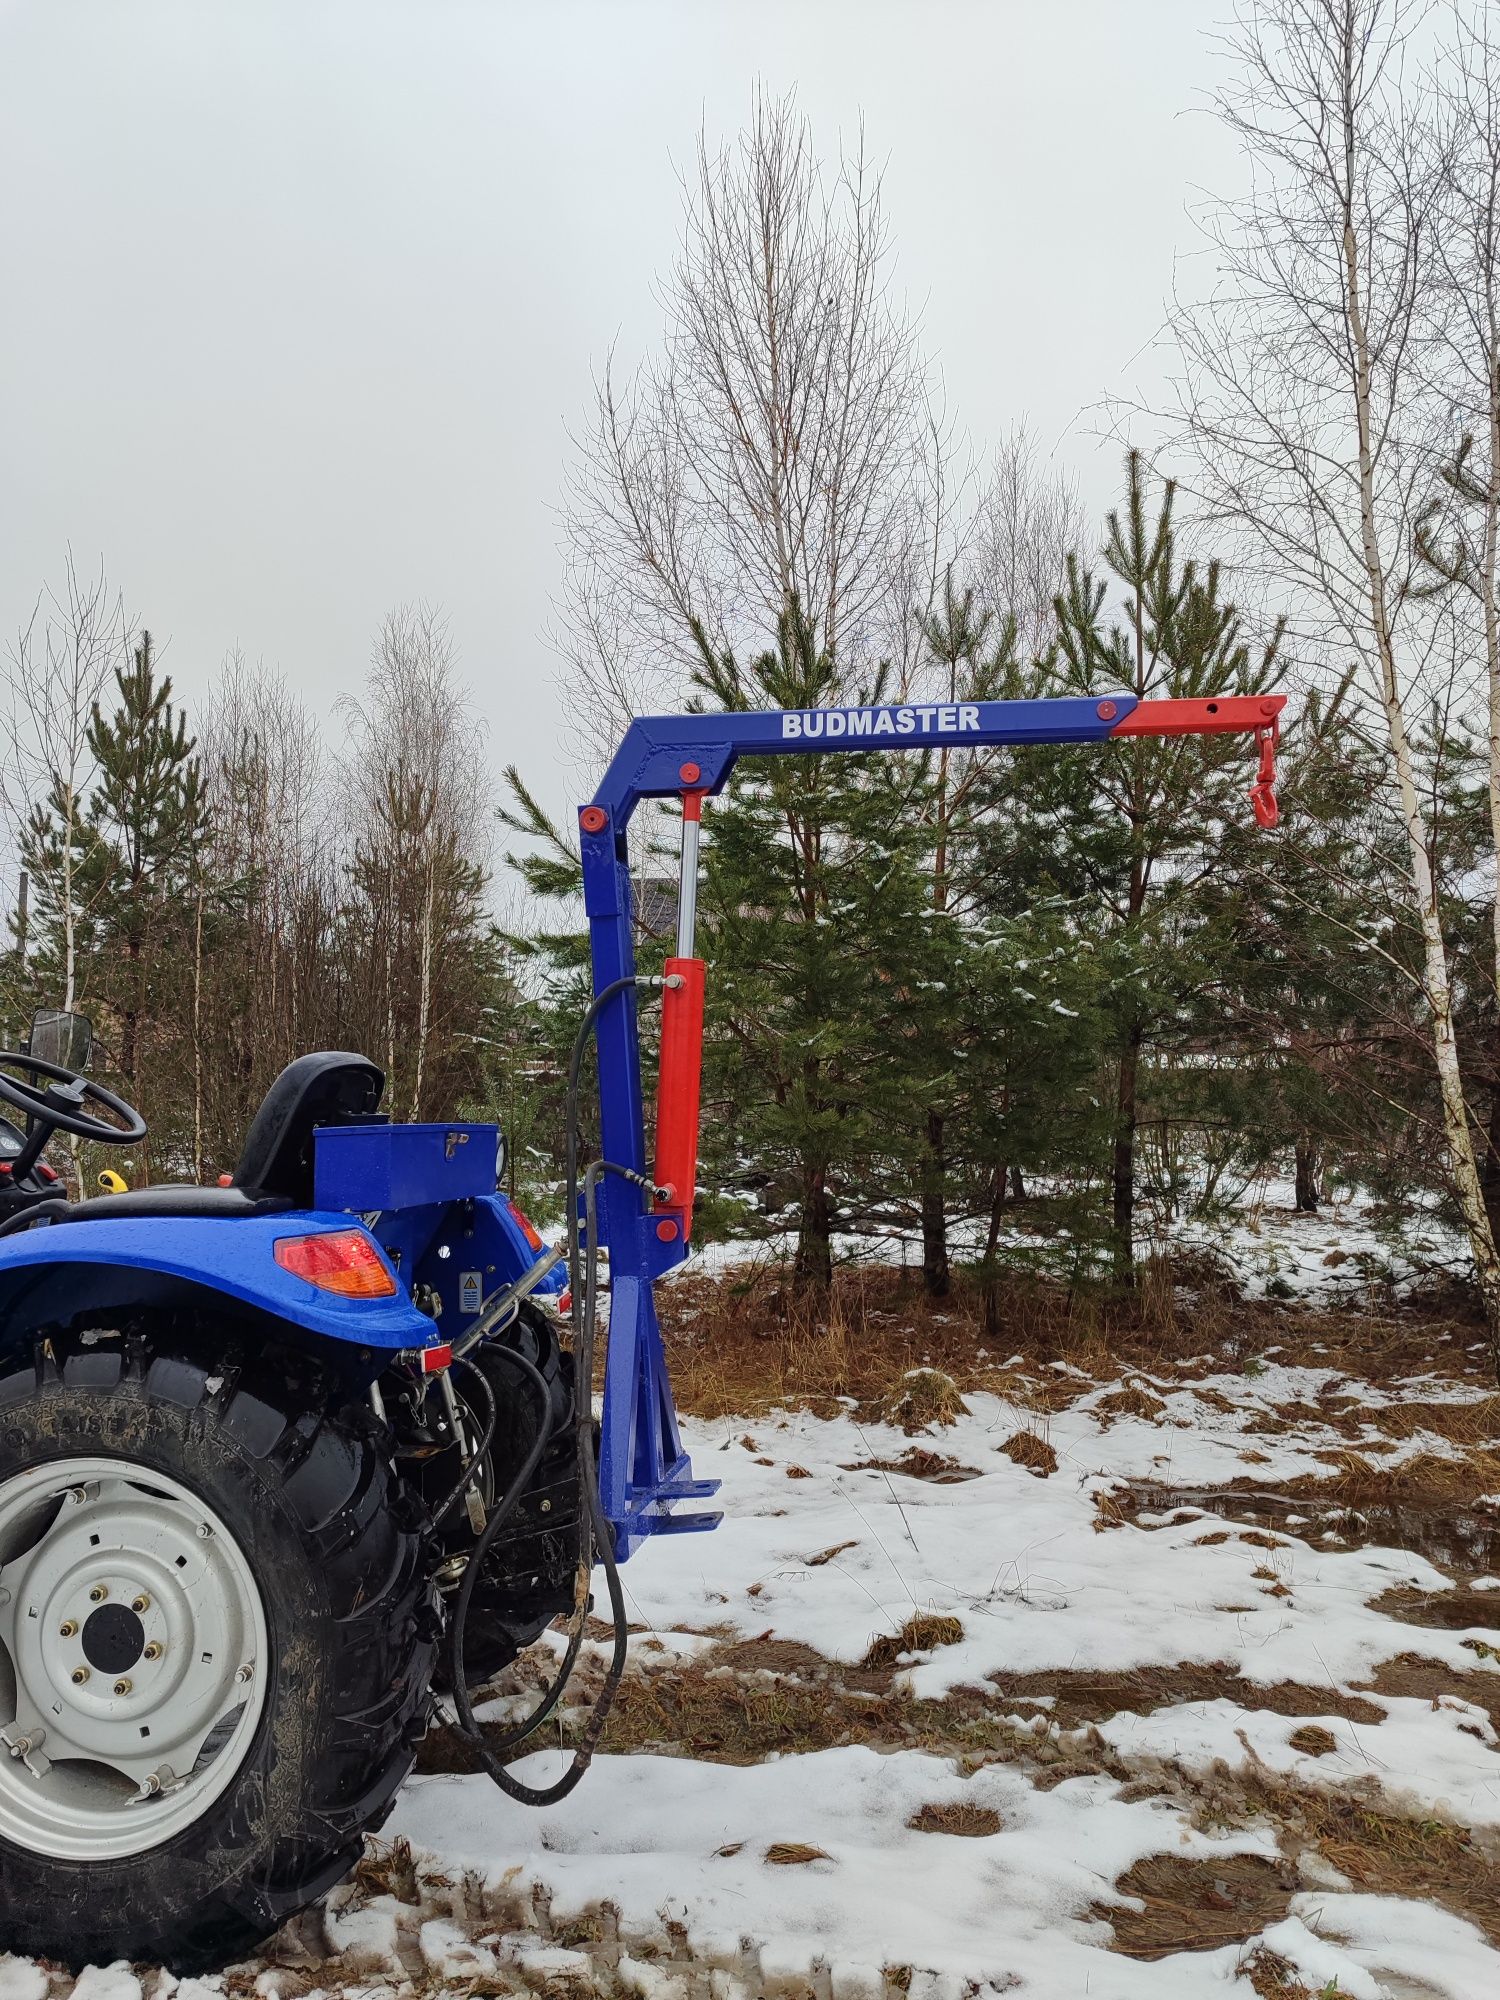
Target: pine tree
(145, 814)
(818, 919)
(1139, 827)
(969, 653)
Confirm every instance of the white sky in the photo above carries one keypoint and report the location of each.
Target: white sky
(297, 300)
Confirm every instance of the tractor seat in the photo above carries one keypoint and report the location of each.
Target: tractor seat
(275, 1172)
(221, 1204)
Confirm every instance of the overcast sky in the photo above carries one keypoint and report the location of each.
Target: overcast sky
(297, 300)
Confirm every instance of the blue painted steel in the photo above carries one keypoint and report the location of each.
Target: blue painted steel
(236, 1258)
(643, 1471)
(471, 1250)
(648, 762)
(482, 1239)
(360, 1168)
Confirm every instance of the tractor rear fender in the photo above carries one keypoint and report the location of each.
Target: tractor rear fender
(50, 1275)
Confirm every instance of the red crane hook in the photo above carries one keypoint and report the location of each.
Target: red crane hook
(1263, 791)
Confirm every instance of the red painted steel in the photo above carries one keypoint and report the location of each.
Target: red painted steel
(678, 1088)
(1216, 715)
(1219, 715)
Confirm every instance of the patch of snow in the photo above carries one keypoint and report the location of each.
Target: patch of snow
(1380, 1939)
(671, 1842)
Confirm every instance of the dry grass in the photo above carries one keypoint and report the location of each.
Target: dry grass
(971, 1822)
(793, 1854)
(743, 1344)
(1274, 1977)
(1386, 1853)
(924, 1397)
(1135, 1400)
(1421, 1679)
(1198, 1905)
(917, 1463)
(1455, 1610)
(1313, 1740)
(743, 1700)
(1029, 1448)
(1079, 1696)
(920, 1634)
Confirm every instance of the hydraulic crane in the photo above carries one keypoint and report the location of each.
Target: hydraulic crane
(645, 1214)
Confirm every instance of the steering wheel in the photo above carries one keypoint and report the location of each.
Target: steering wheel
(59, 1108)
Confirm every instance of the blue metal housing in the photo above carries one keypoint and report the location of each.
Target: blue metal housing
(360, 1168)
(235, 1258)
(425, 1193)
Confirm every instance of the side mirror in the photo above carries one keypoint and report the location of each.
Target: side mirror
(61, 1038)
(502, 1158)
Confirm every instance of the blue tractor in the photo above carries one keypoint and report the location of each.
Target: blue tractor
(285, 1462)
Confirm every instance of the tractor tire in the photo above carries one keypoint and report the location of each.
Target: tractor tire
(206, 1561)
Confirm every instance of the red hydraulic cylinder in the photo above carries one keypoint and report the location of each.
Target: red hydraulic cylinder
(679, 1087)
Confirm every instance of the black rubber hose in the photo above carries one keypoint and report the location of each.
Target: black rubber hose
(592, 1525)
(575, 1072)
(584, 1311)
(468, 1722)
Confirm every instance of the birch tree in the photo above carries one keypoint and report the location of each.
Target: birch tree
(417, 799)
(56, 671)
(1306, 394)
(1459, 537)
(780, 445)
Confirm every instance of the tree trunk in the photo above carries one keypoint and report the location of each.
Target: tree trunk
(935, 1276)
(1017, 1185)
(991, 1270)
(1122, 1169)
(1489, 1176)
(198, 1039)
(1435, 977)
(1307, 1177)
(814, 1261)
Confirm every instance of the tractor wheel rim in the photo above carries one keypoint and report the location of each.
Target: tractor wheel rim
(134, 1658)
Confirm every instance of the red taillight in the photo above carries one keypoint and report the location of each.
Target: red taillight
(528, 1227)
(343, 1261)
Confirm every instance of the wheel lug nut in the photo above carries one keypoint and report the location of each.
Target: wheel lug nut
(68, 1629)
(155, 1650)
(80, 1675)
(122, 1687)
(98, 1594)
(245, 1674)
(141, 1603)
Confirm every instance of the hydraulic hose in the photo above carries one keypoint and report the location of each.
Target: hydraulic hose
(595, 1534)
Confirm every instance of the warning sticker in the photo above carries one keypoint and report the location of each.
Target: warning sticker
(470, 1291)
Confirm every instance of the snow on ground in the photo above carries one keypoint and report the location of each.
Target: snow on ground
(801, 1877)
(1020, 1560)
(1035, 1584)
(672, 1841)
